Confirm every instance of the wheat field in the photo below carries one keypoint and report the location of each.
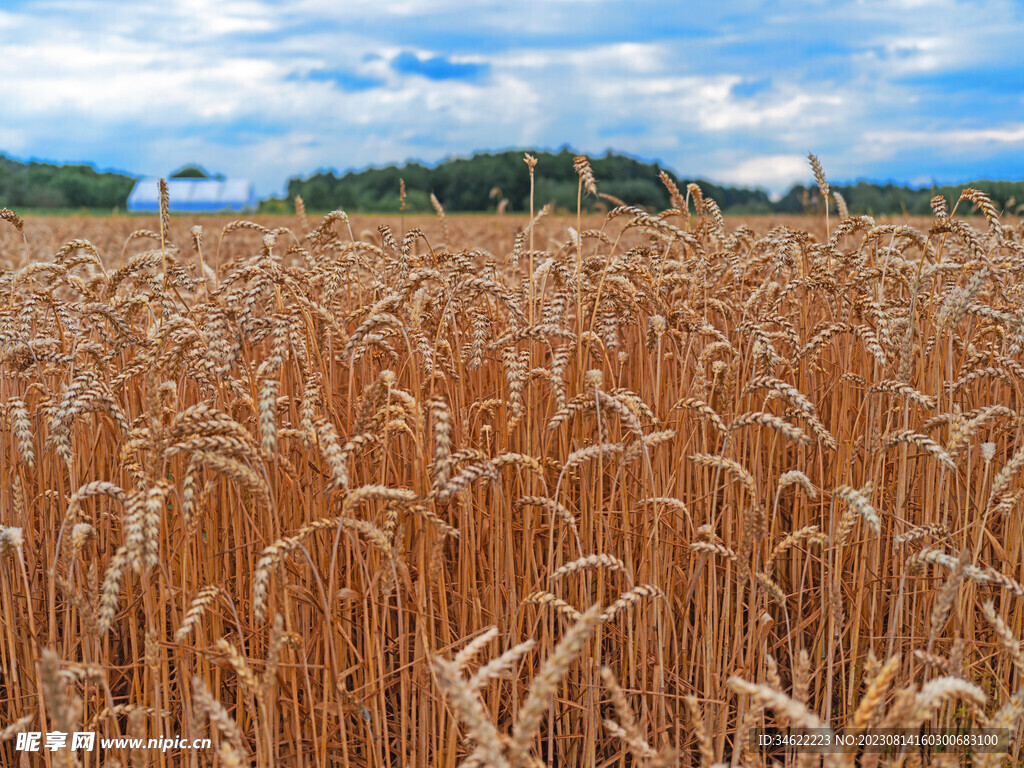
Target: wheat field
(510, 491)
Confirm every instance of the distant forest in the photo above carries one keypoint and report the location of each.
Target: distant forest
(481, 183)
(42, 185)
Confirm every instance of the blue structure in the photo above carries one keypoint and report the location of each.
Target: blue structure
(194, 195)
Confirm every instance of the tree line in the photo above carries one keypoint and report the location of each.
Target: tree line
(44, 185)
(485, 182)
(482, 182)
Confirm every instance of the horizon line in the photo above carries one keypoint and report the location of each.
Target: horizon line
(935, 182)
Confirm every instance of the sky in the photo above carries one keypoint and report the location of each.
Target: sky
(912, 91)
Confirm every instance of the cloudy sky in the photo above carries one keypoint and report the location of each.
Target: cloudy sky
(907, 90)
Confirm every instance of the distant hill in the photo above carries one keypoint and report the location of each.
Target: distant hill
(44, 185)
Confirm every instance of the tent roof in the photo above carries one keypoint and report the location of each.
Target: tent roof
(193, 194)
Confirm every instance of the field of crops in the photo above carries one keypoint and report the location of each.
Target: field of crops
(489, 491)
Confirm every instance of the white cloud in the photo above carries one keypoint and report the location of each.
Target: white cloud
(772, 172)
(149, 88)
(1011, 134)
(12, 140)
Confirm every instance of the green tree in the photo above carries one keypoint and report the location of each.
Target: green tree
(190, 172)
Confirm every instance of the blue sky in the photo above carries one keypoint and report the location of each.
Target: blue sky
(907, 90)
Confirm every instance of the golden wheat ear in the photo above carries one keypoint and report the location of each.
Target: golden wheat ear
(508, 496)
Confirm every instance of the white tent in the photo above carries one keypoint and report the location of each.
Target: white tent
(194, 195)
